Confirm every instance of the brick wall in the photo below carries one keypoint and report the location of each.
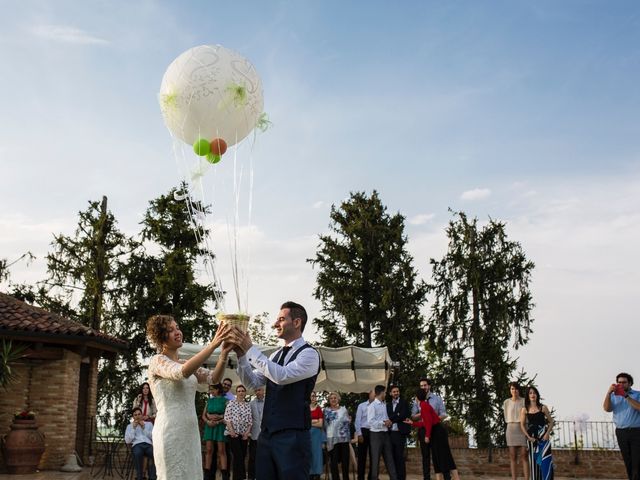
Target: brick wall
(591, 464)
(54, 395)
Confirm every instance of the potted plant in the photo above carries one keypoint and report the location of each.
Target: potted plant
(458, 437)
(23, 446)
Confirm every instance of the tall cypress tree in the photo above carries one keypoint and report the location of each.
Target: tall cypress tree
(367, 285)
(115, 283)
(481, 307)
(85, 270)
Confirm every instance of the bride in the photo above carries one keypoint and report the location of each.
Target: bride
(176, 439)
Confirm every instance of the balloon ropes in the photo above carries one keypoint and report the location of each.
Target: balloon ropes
(211, 100)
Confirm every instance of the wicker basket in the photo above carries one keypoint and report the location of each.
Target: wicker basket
(235, 320)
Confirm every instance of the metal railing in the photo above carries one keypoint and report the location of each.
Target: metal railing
(579, 435)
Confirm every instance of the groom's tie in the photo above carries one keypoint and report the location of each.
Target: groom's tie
(283, 354)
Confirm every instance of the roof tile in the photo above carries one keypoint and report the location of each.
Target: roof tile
(17, 315)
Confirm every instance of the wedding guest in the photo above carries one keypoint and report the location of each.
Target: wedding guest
(362, 435)
(398, 410)
(144, 400)
(317, 437)
(435, 435)
(516, 440)
(139, 435)
(624, 402)
(437, 404)
(237, 418)
(537, 423)
(336, 421)
(257, 410)
(213, 417)
(379, 424)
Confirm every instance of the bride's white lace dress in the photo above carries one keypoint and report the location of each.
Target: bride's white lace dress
(176, 439)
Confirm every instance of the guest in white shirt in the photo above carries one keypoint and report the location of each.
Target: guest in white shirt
(379, 424)
(362, 435)
(257, 408)
(289, 376)
(138, 435)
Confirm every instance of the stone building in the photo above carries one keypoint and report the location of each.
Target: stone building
(56, 377)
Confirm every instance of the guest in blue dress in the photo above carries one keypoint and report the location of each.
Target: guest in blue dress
(317, 438)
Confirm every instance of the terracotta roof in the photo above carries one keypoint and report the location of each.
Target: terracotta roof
(18, 317)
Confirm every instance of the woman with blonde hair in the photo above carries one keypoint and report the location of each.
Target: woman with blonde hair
(176, 437)
(337, 420)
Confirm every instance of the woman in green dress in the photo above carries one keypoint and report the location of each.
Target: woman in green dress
(213, 416)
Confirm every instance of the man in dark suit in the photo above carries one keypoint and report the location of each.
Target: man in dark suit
(398, 410)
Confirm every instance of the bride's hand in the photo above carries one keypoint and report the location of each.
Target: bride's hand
(221, 334)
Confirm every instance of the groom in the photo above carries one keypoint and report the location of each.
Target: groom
(284, 445)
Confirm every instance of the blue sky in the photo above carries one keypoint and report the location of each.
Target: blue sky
(523, 111)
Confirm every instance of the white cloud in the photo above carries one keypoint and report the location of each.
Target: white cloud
(421, 218)
(475, 194)
(318, 204)
(67, 34)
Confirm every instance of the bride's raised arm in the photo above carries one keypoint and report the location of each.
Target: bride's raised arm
(211, 377)
(191, 366)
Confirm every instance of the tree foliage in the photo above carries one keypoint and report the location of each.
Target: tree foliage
(161, 277)
(261, 330)
(88, 266)
(368, 288)
(481, 307)
(114, 283)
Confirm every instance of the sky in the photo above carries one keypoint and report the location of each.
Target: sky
(524, 112)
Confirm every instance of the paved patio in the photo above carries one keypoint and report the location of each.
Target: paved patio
(85, 475)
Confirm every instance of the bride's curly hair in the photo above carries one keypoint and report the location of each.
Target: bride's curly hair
(158, 330)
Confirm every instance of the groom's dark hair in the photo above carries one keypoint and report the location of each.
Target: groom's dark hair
(296, 311)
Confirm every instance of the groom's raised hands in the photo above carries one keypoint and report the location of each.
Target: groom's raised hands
(241, 340)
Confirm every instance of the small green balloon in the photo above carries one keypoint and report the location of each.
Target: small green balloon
(201, 147)
(213, 158)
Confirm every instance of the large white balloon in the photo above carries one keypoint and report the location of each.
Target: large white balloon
(211, 92)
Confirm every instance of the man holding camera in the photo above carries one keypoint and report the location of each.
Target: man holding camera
(624, 402)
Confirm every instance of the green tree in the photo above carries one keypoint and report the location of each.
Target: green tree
(481, 306)
(161, 278)
(367, 285)
(5, 266)
(261, 331)
(86, 280)
(85, 271)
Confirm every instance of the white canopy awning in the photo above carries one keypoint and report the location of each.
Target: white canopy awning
(344, 369)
